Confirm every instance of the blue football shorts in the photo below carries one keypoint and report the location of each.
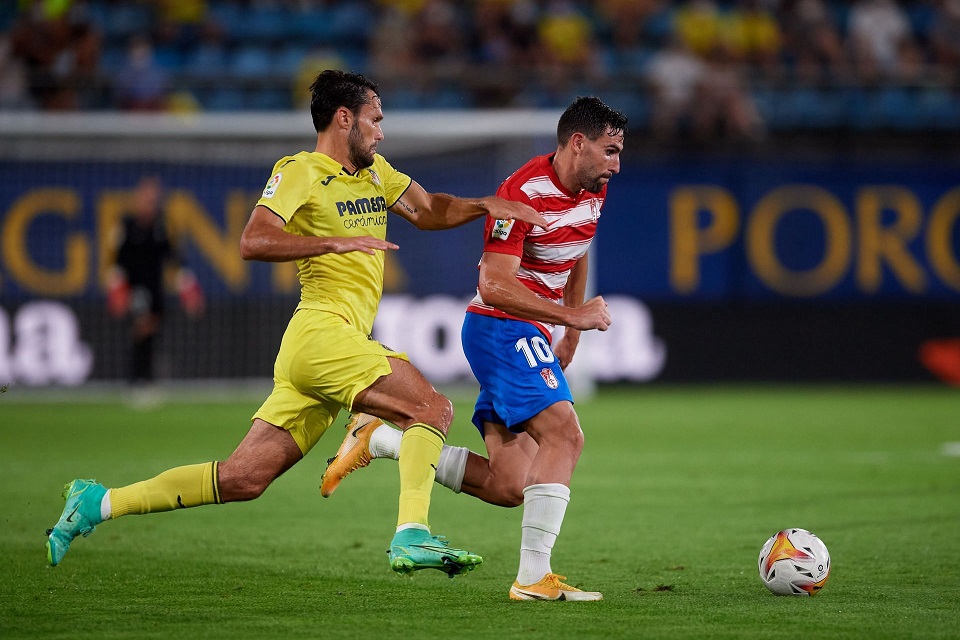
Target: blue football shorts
(519, 375)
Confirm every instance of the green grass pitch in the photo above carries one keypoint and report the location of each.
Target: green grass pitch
(677, 490)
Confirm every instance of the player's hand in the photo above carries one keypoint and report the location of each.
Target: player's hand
(502, 209)
(191, 293)
(593, 314)
(566, 347)
(366, 244)
(118, 293)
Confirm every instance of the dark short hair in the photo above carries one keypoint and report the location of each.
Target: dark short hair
(591, 117)
(333, 89)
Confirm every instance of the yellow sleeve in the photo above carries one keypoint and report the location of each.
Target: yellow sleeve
(288, 188)
(394, 183)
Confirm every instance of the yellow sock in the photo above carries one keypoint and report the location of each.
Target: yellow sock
(178, 488)
(420, 448)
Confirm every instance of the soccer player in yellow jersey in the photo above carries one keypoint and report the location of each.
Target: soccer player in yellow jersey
(325, 209)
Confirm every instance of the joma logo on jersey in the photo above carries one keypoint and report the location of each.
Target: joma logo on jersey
(362, 205)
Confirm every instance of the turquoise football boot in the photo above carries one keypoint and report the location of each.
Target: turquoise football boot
(415, 549)
(80, 516)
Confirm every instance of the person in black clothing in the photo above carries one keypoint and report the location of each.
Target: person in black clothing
(135, 285)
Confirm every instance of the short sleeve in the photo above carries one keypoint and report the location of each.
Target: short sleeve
(394, 182)
(506, 236)
(287, 189)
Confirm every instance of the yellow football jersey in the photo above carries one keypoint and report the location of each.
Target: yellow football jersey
(316, 196)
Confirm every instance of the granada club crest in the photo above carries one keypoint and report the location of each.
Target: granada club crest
(549, 378)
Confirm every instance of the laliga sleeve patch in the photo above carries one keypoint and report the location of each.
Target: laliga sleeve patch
(272, 186)
(501, 229)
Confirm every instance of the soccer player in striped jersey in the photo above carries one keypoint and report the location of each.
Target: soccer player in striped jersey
(325, 209)
(531, 279)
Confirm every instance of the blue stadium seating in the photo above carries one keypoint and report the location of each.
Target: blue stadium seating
(124, 19)
(206, 62)
(222, 99)
(311, 26)
(268, 100)
(263, 45)
(251, 62)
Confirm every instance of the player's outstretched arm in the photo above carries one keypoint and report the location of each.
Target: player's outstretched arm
(500, 288)
(435, 211)
(264, 239)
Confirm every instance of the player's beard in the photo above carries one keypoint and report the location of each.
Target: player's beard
(360, 157)
(592, 183)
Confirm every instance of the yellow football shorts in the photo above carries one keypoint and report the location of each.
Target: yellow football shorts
(323, 363)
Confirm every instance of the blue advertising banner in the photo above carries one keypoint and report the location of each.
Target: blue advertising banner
(686, 229)
(701, 229)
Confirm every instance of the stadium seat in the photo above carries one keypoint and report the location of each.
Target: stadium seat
(222, 99)
(289, 58)
(251, 63)
(170, 58)
(264, 24)
(123, 19)
(447, 97)
(355, 59)
(310, 27)
(113, 57)
(206, 62)
(268, 100)
(633, 61)
(660, 25)
(634, 104)
(229, 17)
(97, 12)
(400, 98)
(350, 24)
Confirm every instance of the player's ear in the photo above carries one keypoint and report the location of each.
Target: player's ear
(576, 142)
(344, 117)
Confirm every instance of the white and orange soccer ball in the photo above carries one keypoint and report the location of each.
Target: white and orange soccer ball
(794, 562)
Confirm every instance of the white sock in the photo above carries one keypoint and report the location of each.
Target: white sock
(543, 508)
(105, 506)
(385, 442)
(413, 525)
(452, 465)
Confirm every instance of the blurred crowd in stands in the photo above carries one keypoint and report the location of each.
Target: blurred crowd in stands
(701, 68)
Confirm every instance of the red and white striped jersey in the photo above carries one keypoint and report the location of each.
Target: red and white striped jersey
(546, 255)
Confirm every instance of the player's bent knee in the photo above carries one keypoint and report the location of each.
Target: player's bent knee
(436, 412)
(505, 490)
(446, 413)
(511, 498)
(500, 497)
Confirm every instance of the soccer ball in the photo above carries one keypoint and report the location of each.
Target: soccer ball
(794, 562)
